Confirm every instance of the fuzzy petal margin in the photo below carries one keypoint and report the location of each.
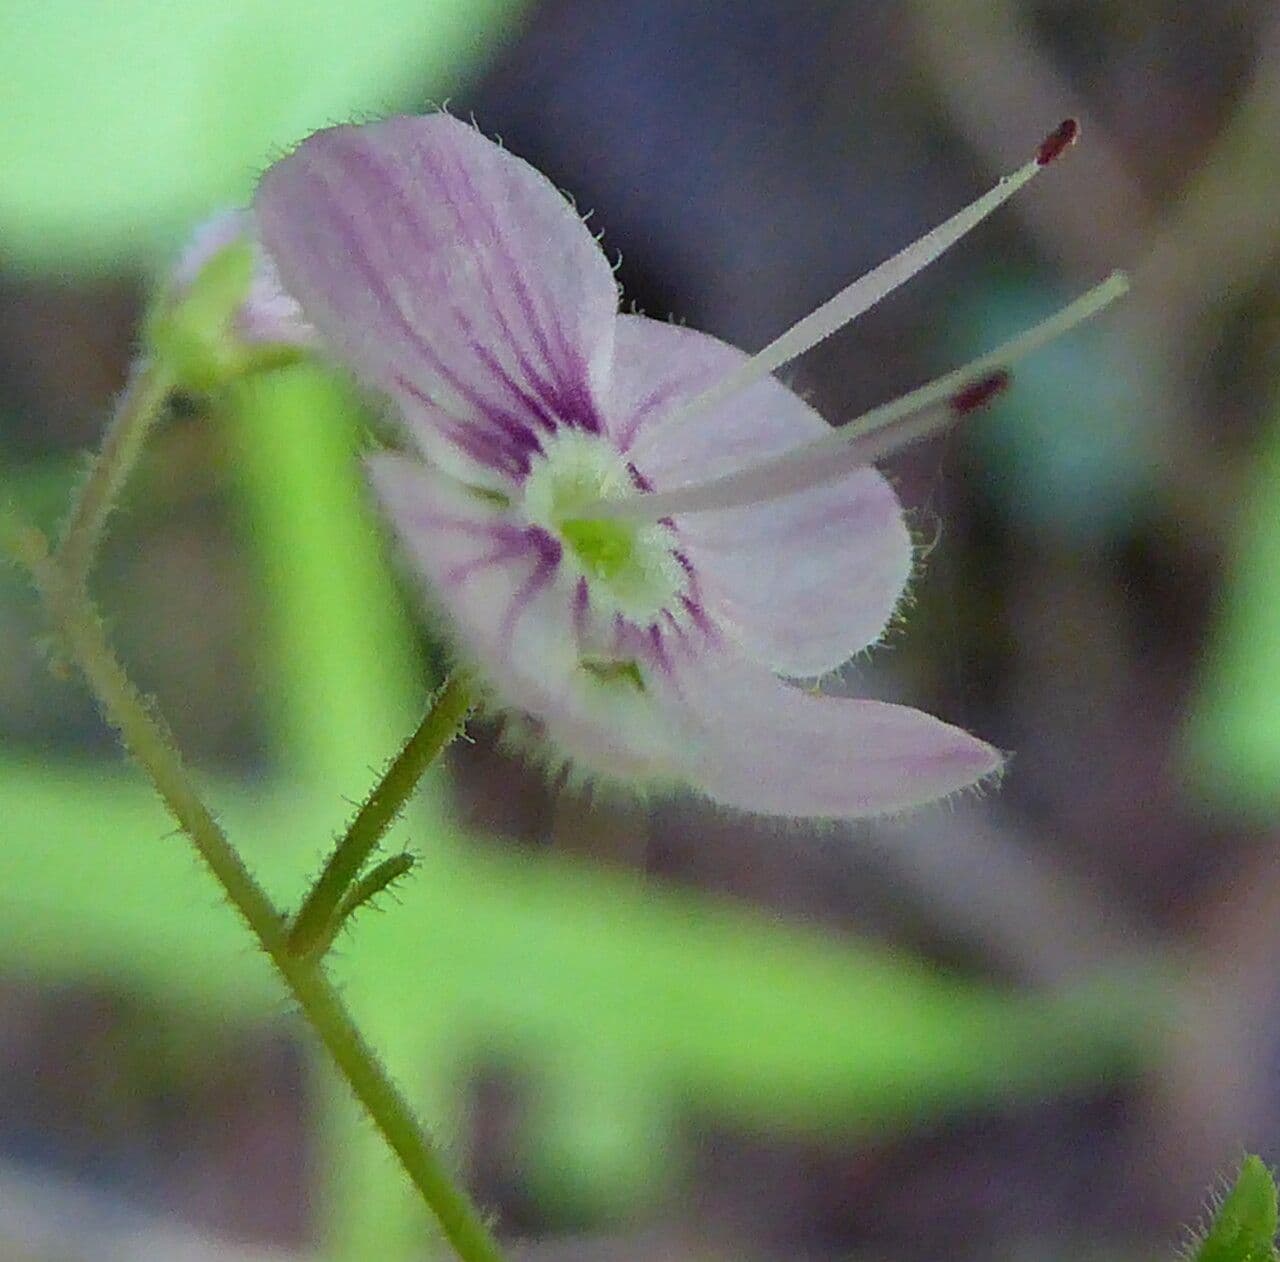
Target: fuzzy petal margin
(773, 748)
(805, 582)
(445, 270)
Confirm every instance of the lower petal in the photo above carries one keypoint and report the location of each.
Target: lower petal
(484, 568)
(770, 747)
(702, 715)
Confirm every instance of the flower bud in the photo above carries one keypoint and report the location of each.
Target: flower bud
(223, 313)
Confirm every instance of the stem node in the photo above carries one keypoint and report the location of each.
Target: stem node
(340, 878)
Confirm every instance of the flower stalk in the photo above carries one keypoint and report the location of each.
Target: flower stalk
(313, 925)
(147, 737)
(137, 410)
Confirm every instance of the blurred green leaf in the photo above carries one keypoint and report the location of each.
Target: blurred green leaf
(621, 1001)
(123, 124)
(1244, 1227)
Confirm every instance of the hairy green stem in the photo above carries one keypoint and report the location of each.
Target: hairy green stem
(441, 723)
(378, 880)
(147, 738)
(136, 411)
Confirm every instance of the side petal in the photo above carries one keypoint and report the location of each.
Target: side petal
(519, 618)
(804, 582)
(443, 269)
(770, 747)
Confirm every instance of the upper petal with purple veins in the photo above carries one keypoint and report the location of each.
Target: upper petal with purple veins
(449, 273)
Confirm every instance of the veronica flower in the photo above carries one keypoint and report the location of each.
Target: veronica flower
(639, 536)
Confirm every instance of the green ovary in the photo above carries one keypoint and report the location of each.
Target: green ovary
(605, 549)
(630, 566)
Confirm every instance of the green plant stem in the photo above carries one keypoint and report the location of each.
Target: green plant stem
(147, 738)
(441, 723)
(136, 411)
(376, 881)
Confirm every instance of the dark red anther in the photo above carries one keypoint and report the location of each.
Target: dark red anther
(979, 393)
(1061, 138)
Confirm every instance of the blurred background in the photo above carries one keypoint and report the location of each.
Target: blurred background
(1033, 1025)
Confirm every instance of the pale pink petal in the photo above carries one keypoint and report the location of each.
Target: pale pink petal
(803, 583)
(518, 616)
(494, 575)
(771, 747)
(449, 272)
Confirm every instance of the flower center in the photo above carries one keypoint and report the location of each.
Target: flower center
(606, 549)
(630, 566)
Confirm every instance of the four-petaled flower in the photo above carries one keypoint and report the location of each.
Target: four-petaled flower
(639, 536)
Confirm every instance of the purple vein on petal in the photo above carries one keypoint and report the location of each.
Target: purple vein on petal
(529, 309)
(548, 552)
(357, 166)
(510, 543)
(652, 402)
(659, 648)
(698, 615)
(581, 608)
(506, 428)
(681, 634)
(574, 394)
(507, 447)
(353, 243)
(640, 643)
(424, 519)
(692, 599)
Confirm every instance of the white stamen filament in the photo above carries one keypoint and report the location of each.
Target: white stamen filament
(865, 440)
(858, 297)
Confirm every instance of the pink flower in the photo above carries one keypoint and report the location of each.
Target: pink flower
(637, 533)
